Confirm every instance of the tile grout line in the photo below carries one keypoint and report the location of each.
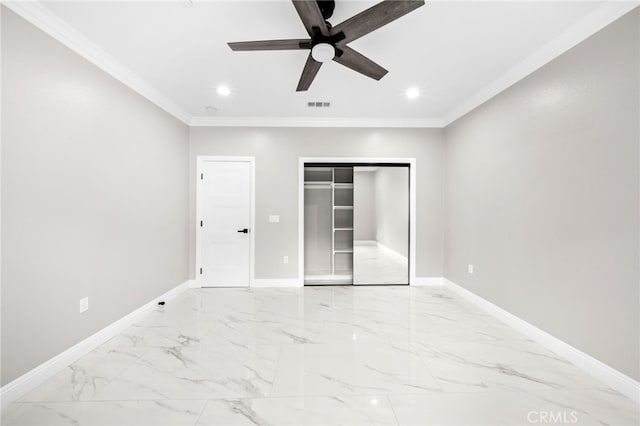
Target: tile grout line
(204, 407)
(393, 410)
(275, 374)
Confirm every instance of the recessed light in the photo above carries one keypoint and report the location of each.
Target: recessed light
(412, 92)
(224, 91)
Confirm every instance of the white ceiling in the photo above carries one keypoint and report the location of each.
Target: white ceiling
(454, 51)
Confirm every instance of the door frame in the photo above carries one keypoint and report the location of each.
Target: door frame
(348, 160)
(200, 160)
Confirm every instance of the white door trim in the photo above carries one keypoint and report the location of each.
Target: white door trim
(200, 159)
(341, 160)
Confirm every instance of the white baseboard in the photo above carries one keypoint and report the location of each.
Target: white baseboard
(277, 282)
(359, 243)
(33, 378)
(601, 371)
(194, 284)
(429, 281)
(328, 277)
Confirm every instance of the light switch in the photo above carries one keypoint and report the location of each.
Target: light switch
(274, 218)
(84, 304)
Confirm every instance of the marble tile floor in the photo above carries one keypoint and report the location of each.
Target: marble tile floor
(321, 356)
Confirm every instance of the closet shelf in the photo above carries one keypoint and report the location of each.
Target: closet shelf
(343, 207)
(343, 229)
(343, 251)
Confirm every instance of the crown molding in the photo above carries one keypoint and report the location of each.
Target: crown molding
(47, 21)
(314, 122)
(580, 31)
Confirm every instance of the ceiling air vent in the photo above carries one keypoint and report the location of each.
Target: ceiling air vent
(318, 104)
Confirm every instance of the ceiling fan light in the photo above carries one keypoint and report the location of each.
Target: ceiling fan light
(323, 52)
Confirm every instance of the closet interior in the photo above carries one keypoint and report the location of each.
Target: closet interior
(328, 220)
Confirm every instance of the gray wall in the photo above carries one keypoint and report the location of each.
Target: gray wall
(364, 211)
(277, 151)
(542, 196)
(392, 208)
(94, 198)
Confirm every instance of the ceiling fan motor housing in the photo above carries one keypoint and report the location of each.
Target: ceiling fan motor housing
(318, 38)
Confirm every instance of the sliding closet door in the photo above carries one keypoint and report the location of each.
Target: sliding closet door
(381, 225)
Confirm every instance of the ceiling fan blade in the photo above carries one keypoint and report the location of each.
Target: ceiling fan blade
(373, 18)
(270, 45)
(311, 16)
(309, 72)
(360, 63)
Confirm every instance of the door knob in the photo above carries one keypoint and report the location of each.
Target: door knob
(244, 231)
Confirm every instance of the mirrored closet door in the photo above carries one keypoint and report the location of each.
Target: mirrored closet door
(381, 225)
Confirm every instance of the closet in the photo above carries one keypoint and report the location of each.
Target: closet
(328, 225)
(356, 224)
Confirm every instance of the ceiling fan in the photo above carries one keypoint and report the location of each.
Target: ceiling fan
(330, 43)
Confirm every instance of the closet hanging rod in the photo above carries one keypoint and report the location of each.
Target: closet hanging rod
(317, 169)
(317, 185)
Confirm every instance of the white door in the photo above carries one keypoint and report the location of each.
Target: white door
(226, 218)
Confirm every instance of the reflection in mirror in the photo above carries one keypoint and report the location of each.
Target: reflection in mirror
(381, 225)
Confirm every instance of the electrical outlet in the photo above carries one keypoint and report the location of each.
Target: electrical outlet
(470, 268)
(285, 259)
(84, 304)
(274, 218)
